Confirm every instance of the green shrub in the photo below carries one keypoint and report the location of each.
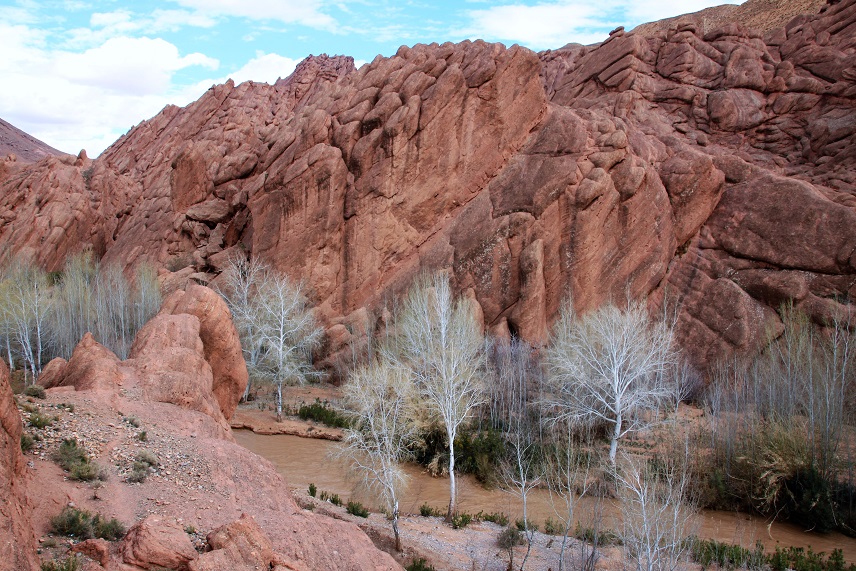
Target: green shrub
(81, 524)
(65, 406)
(509, 537)
(523, 525)
(593, 535)
(70, 563)
(553, 527)
(419, 565)
(132, 420)
(35, 391)
(321, 412)
(189, 530)
(478, 453)
(313, 489)
(461, 520)
(498, 518)
(70, 453)
(84, 471)
(27, 442)
(29, 408)
(427, 511)
(39, 420)
(357, 509)
(142, 436)
(332, 498)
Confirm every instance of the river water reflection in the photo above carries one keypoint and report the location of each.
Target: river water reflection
(305, 460)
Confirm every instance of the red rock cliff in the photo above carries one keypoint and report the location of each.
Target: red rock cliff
(717, 169)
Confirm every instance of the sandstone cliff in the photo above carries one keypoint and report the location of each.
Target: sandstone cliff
(716, 169)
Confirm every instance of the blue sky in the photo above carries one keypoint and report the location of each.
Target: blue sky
(79, 73)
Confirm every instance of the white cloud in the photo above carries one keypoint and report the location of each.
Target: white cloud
(87, 100)
(546, 25)
(265, 68)
(554, 24)
(305, 12)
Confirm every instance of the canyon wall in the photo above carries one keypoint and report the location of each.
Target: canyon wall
(714, 171)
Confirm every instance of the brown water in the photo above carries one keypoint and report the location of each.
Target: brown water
(305, 460)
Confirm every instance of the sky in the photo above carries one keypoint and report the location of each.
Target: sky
(78, 74)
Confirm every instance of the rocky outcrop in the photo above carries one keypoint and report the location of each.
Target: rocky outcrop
(17, 541)
(676, 164)
(220, 342)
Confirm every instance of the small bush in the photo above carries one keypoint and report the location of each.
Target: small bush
(132, 420)
(597, 536)
(419, 565)
(427, 511)
(461, 520)
(142, 436)
(313, 489)
(552, 527)
(39, 420)
(332, 498)
(70, 563)
(321, 412)
(509, 537)
(84, 471)
(139, 473)
(357, 509)
(80, 524)
(70, 453)
(523, 525)
(189, 530)
(35, 391)
(27, 442)
(29, 408)
(146, 457)
(65, 406)
(498, 518)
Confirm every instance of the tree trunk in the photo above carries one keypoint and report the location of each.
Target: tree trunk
(453, 491)
(279, 402)
(9, 353)
(613, 444)
(395, 527)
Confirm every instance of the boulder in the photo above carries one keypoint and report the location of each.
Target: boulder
(91, 367)
(169, 358)
(220, 341)
(156, 542)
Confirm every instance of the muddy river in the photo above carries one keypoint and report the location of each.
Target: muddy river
(305, 460)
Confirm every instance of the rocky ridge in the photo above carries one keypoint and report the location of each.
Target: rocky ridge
(713, 169)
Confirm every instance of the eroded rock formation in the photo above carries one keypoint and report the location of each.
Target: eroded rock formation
(715, 169)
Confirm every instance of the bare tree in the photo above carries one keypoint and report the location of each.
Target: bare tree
(440, 342)
(566, 471)
(242, 278)
(521, 470)
(28, 305)
(288, 333)
(656, 512)
(379, 399)
(607, 367)
(74, 313)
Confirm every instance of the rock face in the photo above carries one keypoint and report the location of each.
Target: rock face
(17, 541)
(715, 169)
